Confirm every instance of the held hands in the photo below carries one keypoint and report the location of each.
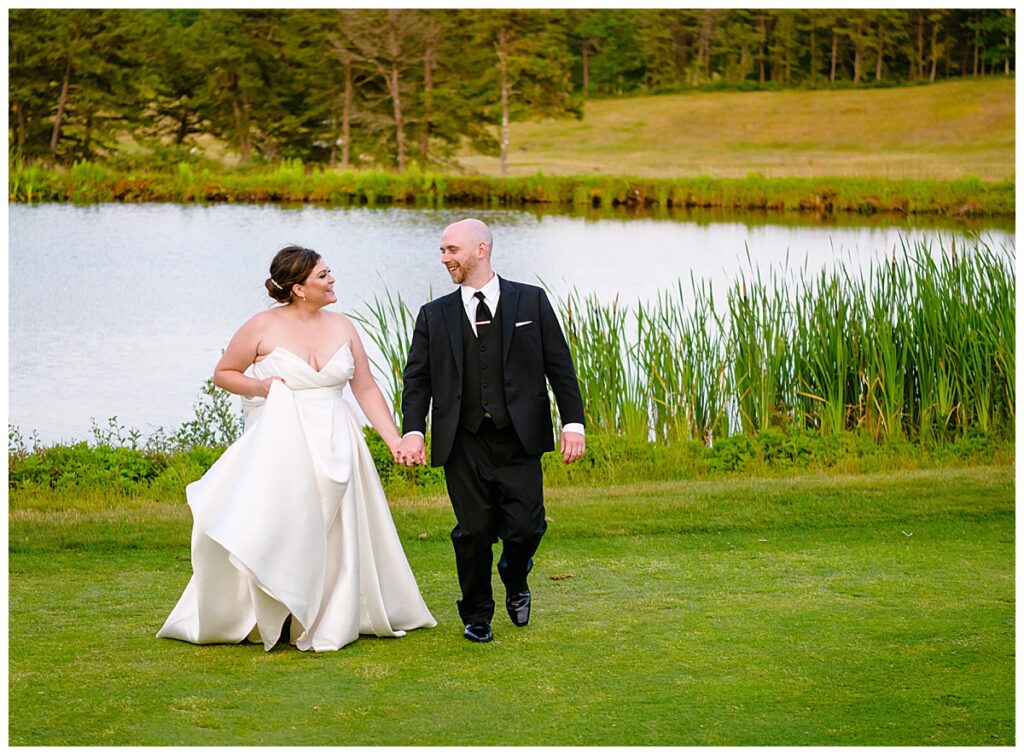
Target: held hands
(573, 446)
(410, 451)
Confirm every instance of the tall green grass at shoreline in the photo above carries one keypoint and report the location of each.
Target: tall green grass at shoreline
(921, 346)
(291, 181)
(910, 365)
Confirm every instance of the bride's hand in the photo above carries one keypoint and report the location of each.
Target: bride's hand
(410, 451)
(264, 385)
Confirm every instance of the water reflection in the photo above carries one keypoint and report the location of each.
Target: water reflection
(790, 219)
(123, 309)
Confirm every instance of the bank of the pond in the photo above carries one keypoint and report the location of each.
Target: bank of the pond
(291, 181)
(66, 475)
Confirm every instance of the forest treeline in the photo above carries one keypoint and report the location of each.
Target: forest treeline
(390, 87)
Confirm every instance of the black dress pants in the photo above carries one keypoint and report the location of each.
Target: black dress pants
(496, 489)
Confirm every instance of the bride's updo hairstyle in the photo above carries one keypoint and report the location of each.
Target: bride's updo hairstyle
(291, 265)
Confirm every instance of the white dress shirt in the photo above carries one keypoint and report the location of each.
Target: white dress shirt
(491, 291)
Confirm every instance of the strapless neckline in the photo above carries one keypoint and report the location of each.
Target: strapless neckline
(300, 359)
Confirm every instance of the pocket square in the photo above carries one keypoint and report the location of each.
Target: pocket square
(524, 322)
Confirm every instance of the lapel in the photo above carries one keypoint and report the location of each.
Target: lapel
(509, 306)
(453, 314)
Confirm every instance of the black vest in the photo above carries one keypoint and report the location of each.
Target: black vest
(483, 375)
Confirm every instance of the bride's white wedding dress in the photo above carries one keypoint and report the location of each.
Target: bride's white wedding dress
(292, 519)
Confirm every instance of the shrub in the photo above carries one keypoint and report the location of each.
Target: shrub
(81, 466)
(730, 454)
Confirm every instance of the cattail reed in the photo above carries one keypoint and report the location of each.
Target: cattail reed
(920, 346)
(389, 323)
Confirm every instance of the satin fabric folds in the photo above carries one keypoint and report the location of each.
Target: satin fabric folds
(292, 519)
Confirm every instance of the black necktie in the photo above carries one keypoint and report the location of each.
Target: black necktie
(483, 312)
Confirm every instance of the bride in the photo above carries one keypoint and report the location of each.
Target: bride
(292, 521)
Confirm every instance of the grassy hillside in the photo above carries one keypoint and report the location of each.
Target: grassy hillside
(943, 150)
(942, 131)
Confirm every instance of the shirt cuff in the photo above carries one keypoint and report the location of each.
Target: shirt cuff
(573, 427)
(413, 432)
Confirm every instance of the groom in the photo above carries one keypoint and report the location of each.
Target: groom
(481, 355)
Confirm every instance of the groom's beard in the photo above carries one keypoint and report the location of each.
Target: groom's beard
(458, 274)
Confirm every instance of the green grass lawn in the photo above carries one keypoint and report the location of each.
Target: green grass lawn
(817, 610)
(948, 130)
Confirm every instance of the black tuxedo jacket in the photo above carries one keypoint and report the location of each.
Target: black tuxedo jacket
(534, 349)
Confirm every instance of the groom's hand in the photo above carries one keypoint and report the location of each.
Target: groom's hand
(410, 450)
(573, 446)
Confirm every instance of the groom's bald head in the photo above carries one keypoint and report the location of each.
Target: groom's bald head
(466, 252)
(474, 232)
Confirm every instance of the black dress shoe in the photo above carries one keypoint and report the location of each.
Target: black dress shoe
(518, 607)
(479, 632)
(517, 602)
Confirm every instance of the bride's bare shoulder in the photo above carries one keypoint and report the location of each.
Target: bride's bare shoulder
(342, 327)
(337, 319)
(264, 318)
(260, 323)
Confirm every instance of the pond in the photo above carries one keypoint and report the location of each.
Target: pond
(122, 310)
